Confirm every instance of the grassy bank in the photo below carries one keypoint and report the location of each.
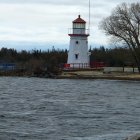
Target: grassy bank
(99, 75)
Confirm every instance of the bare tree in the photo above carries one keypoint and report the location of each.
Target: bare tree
(124, 26)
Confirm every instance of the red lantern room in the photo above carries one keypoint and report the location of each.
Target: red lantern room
(79, 23)
(79, 28)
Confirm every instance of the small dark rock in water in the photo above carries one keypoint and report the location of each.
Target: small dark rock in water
(134, 137)
(2, 116)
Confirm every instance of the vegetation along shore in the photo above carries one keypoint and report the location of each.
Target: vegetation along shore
(49, 64)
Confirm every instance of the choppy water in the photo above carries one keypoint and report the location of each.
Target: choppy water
(47, 109)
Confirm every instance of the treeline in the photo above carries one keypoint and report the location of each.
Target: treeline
(53, 59)
(34, 61)
(112, 57)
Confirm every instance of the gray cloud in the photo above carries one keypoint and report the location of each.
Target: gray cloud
(60, 2)
(67, 2)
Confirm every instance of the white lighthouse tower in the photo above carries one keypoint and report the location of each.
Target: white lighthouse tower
(78, 55)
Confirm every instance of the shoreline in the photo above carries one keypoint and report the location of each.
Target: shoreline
(98, 78)
(83, 75)
(99, 75)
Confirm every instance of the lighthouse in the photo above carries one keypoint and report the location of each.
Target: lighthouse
(78, 55)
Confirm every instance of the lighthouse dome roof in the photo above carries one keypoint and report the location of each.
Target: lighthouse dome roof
(79, 20)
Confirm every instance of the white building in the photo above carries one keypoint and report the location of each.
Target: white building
(78, 56)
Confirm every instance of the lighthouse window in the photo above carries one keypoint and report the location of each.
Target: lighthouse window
(76, 56)
(79, 25)
(77, 42)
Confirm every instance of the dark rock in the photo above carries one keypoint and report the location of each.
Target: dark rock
(134, 137)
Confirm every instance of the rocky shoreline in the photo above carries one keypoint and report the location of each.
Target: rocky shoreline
(96, 74)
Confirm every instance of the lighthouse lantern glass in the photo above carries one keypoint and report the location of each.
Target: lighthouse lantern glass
(79, 25)
(79, 28)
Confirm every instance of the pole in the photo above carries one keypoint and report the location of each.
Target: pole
(89, 18)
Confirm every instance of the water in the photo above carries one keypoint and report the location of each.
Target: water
(50, 109)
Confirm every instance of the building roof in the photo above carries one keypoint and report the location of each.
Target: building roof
(79, 20)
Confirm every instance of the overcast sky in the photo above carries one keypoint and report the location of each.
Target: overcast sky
(47, 21)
